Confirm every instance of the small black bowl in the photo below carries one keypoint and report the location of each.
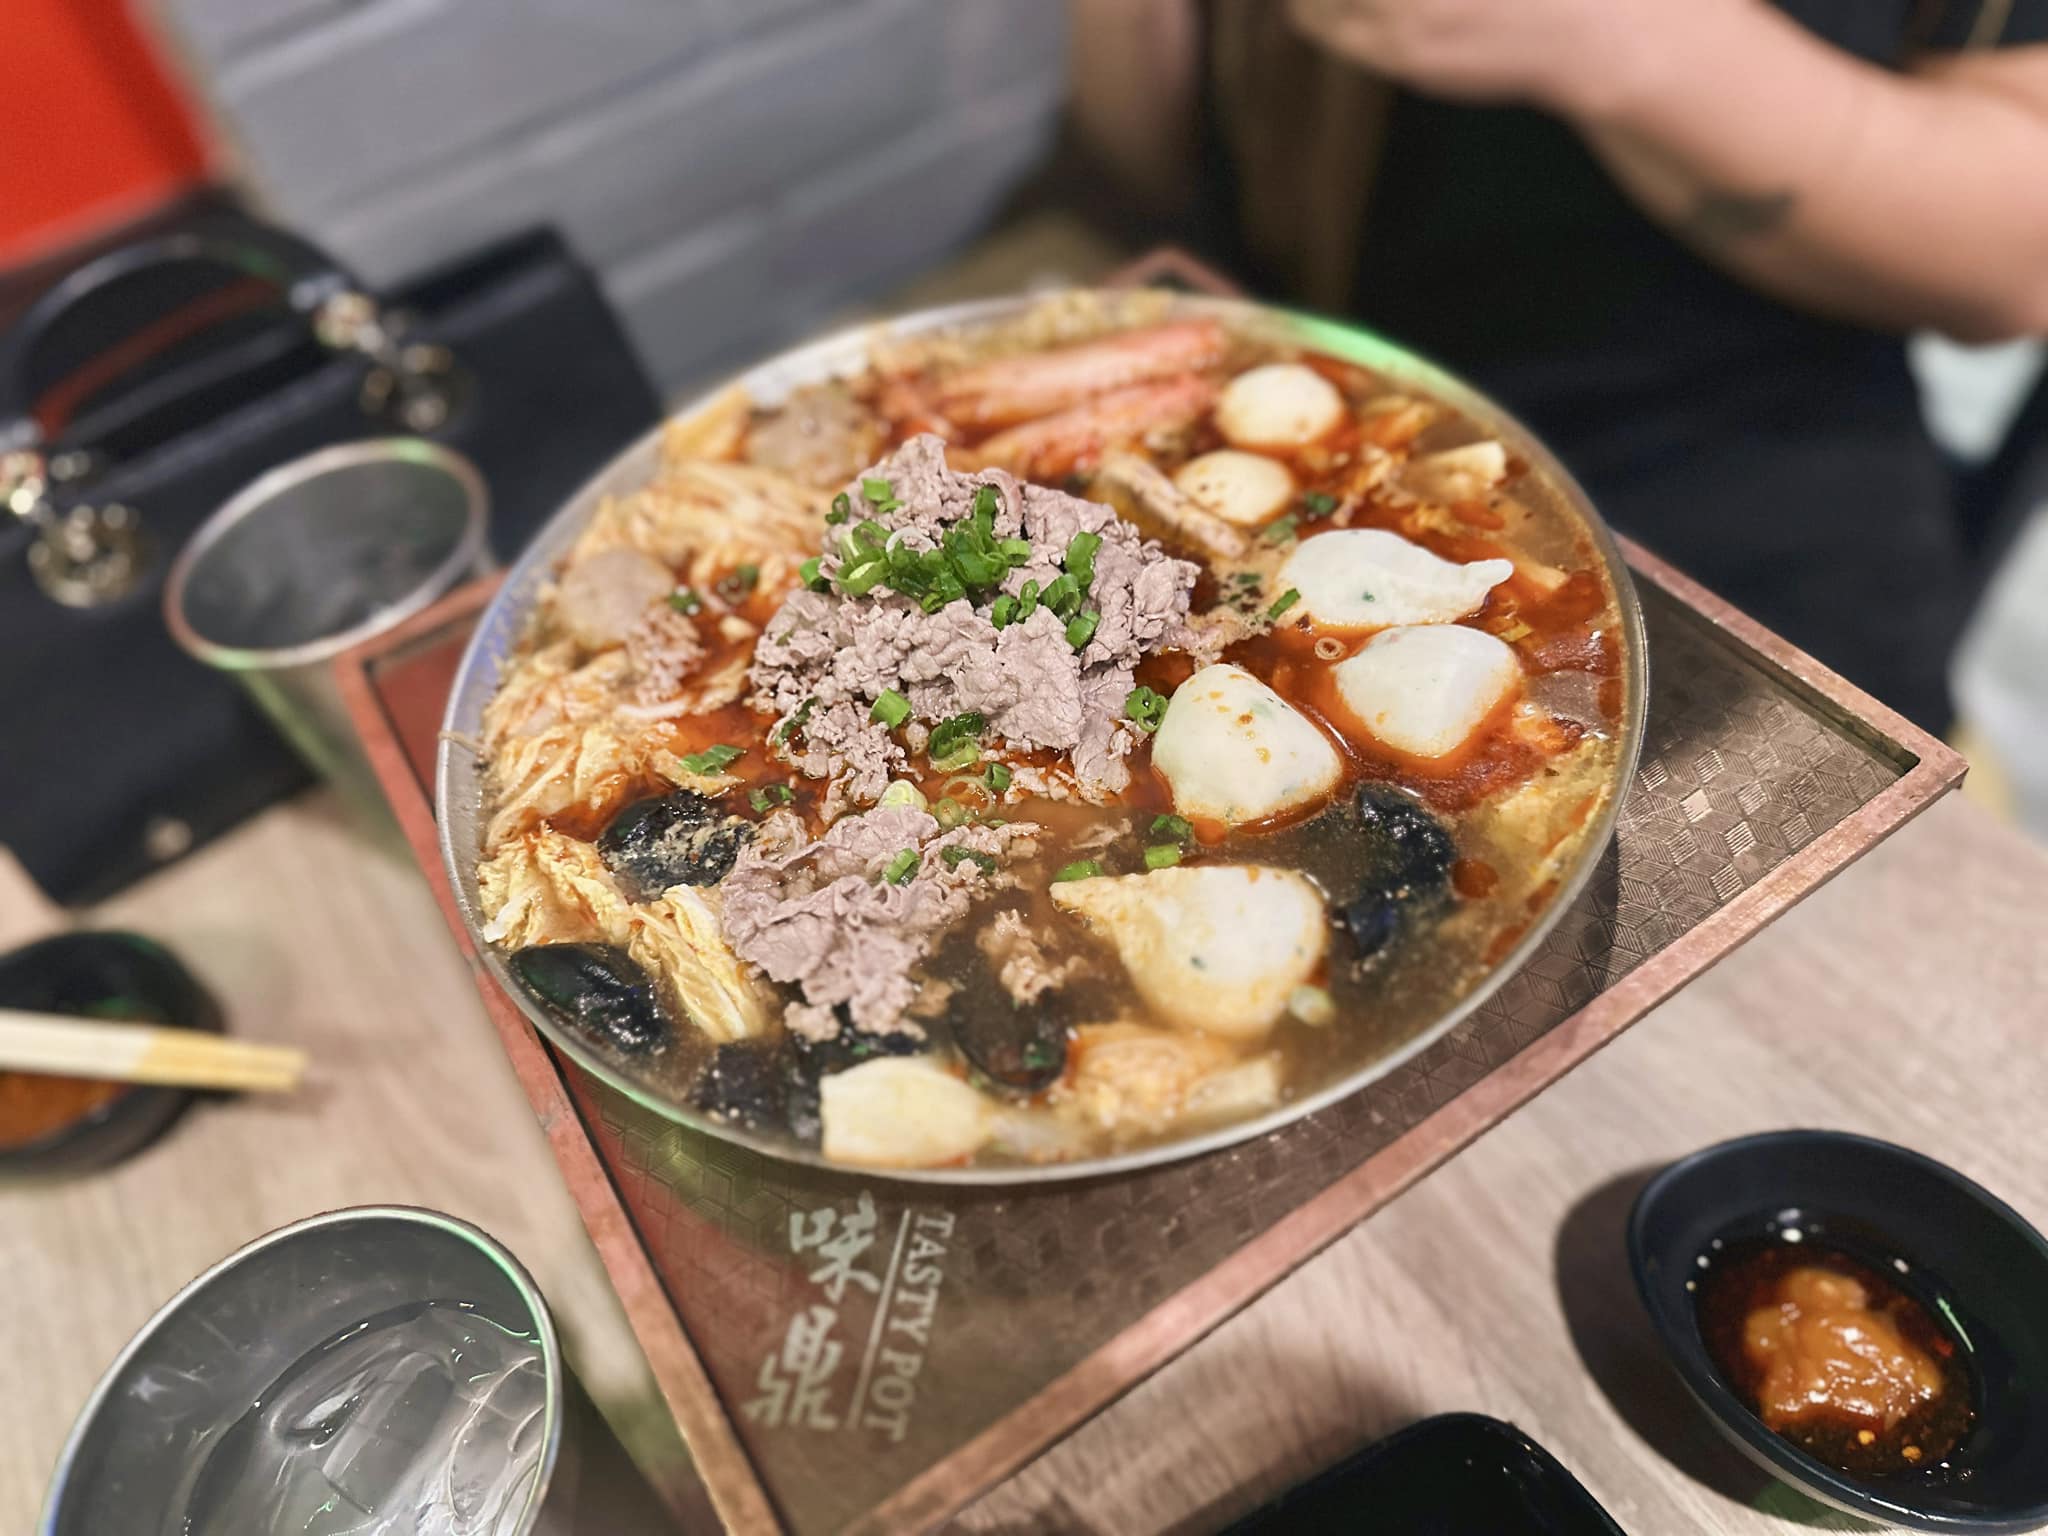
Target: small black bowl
(112, 976)
(1458, 1474)
(1968, 1255)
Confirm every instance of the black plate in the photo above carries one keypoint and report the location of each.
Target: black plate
(109, 976)
(1969, 1255)
(1459, 1474)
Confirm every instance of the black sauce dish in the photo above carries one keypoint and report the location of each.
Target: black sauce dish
(112, 976)
(1958, 1250)
(1458, 1474)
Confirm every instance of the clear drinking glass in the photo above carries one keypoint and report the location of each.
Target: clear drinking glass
(380, 1371)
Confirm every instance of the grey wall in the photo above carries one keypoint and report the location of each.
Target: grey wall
(734, 169)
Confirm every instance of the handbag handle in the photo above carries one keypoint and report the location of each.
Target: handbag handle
(311, 282)
(86, 555)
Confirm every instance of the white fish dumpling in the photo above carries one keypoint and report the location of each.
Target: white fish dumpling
(1424, 689)
(1368, 578)
(901, 1112)
(1242, 488)
(1216, 947)
(1279, 405)
(1233, 750)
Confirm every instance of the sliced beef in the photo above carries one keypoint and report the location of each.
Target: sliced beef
(823, 918)
(836, 655)
(1019, 959)
(663, 648)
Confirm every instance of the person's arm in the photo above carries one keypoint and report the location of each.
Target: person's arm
(1133, 71)
(1899, 200)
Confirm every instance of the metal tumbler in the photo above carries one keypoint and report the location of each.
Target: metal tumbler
(313, 559)
(378, 1371)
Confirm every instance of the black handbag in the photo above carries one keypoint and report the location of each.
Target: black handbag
(140, 392)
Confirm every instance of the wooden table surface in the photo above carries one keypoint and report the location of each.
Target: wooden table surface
(1905, 1000)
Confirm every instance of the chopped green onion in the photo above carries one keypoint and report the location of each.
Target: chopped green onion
(795, 722)
(951, 732)
(1160, 855)
(875, 491)
(998, 778)
(891, 708)
(1082, 628)
(808, 571)
(1062, 595)
(1016, 551)
(1003, 611)
(965, 755)
(985, 501)
(842, 509)
(902, 792)
(1147, 706)
(686, 600)
(714, 759)
(743, 580)
(950, 812)
(1080, 869)
(1318, 505)
(1280, 530)
(1283, 602)
(774, 794)
(1080, 561)
(956, 856)
(1027, 599)
(858, 580)
(1179, 828)
(901, 867)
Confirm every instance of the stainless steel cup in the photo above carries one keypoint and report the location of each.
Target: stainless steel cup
(209, 1355)
(313, 559)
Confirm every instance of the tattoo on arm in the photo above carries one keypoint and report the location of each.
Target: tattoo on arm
(1724, 218)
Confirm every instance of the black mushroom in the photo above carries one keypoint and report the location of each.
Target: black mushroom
(675, 839)
(744, 1083)
(1407, 856)
(599, 990)
(1008, 1016)
(1018, 1047)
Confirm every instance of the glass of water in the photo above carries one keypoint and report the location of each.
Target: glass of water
(380, 1371)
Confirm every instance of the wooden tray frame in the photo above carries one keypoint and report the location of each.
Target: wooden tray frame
(1929, 770)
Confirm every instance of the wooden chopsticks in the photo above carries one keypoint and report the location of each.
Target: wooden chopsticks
(63, 1046)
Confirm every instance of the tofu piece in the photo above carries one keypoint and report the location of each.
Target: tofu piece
(1279, 405)
(1242, 488)
(1368, 578)
(902, 1112)
(1215, 947)
(1424, 689)
(1458, 474)
(1234, 751)
(1137, 1080)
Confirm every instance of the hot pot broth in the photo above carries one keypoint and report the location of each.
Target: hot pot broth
(820, 900)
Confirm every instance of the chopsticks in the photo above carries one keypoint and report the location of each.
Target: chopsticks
(64, 1046)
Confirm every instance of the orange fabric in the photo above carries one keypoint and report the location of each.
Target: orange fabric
(92, 131)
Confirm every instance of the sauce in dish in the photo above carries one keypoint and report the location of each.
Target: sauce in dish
(1835, 1357)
